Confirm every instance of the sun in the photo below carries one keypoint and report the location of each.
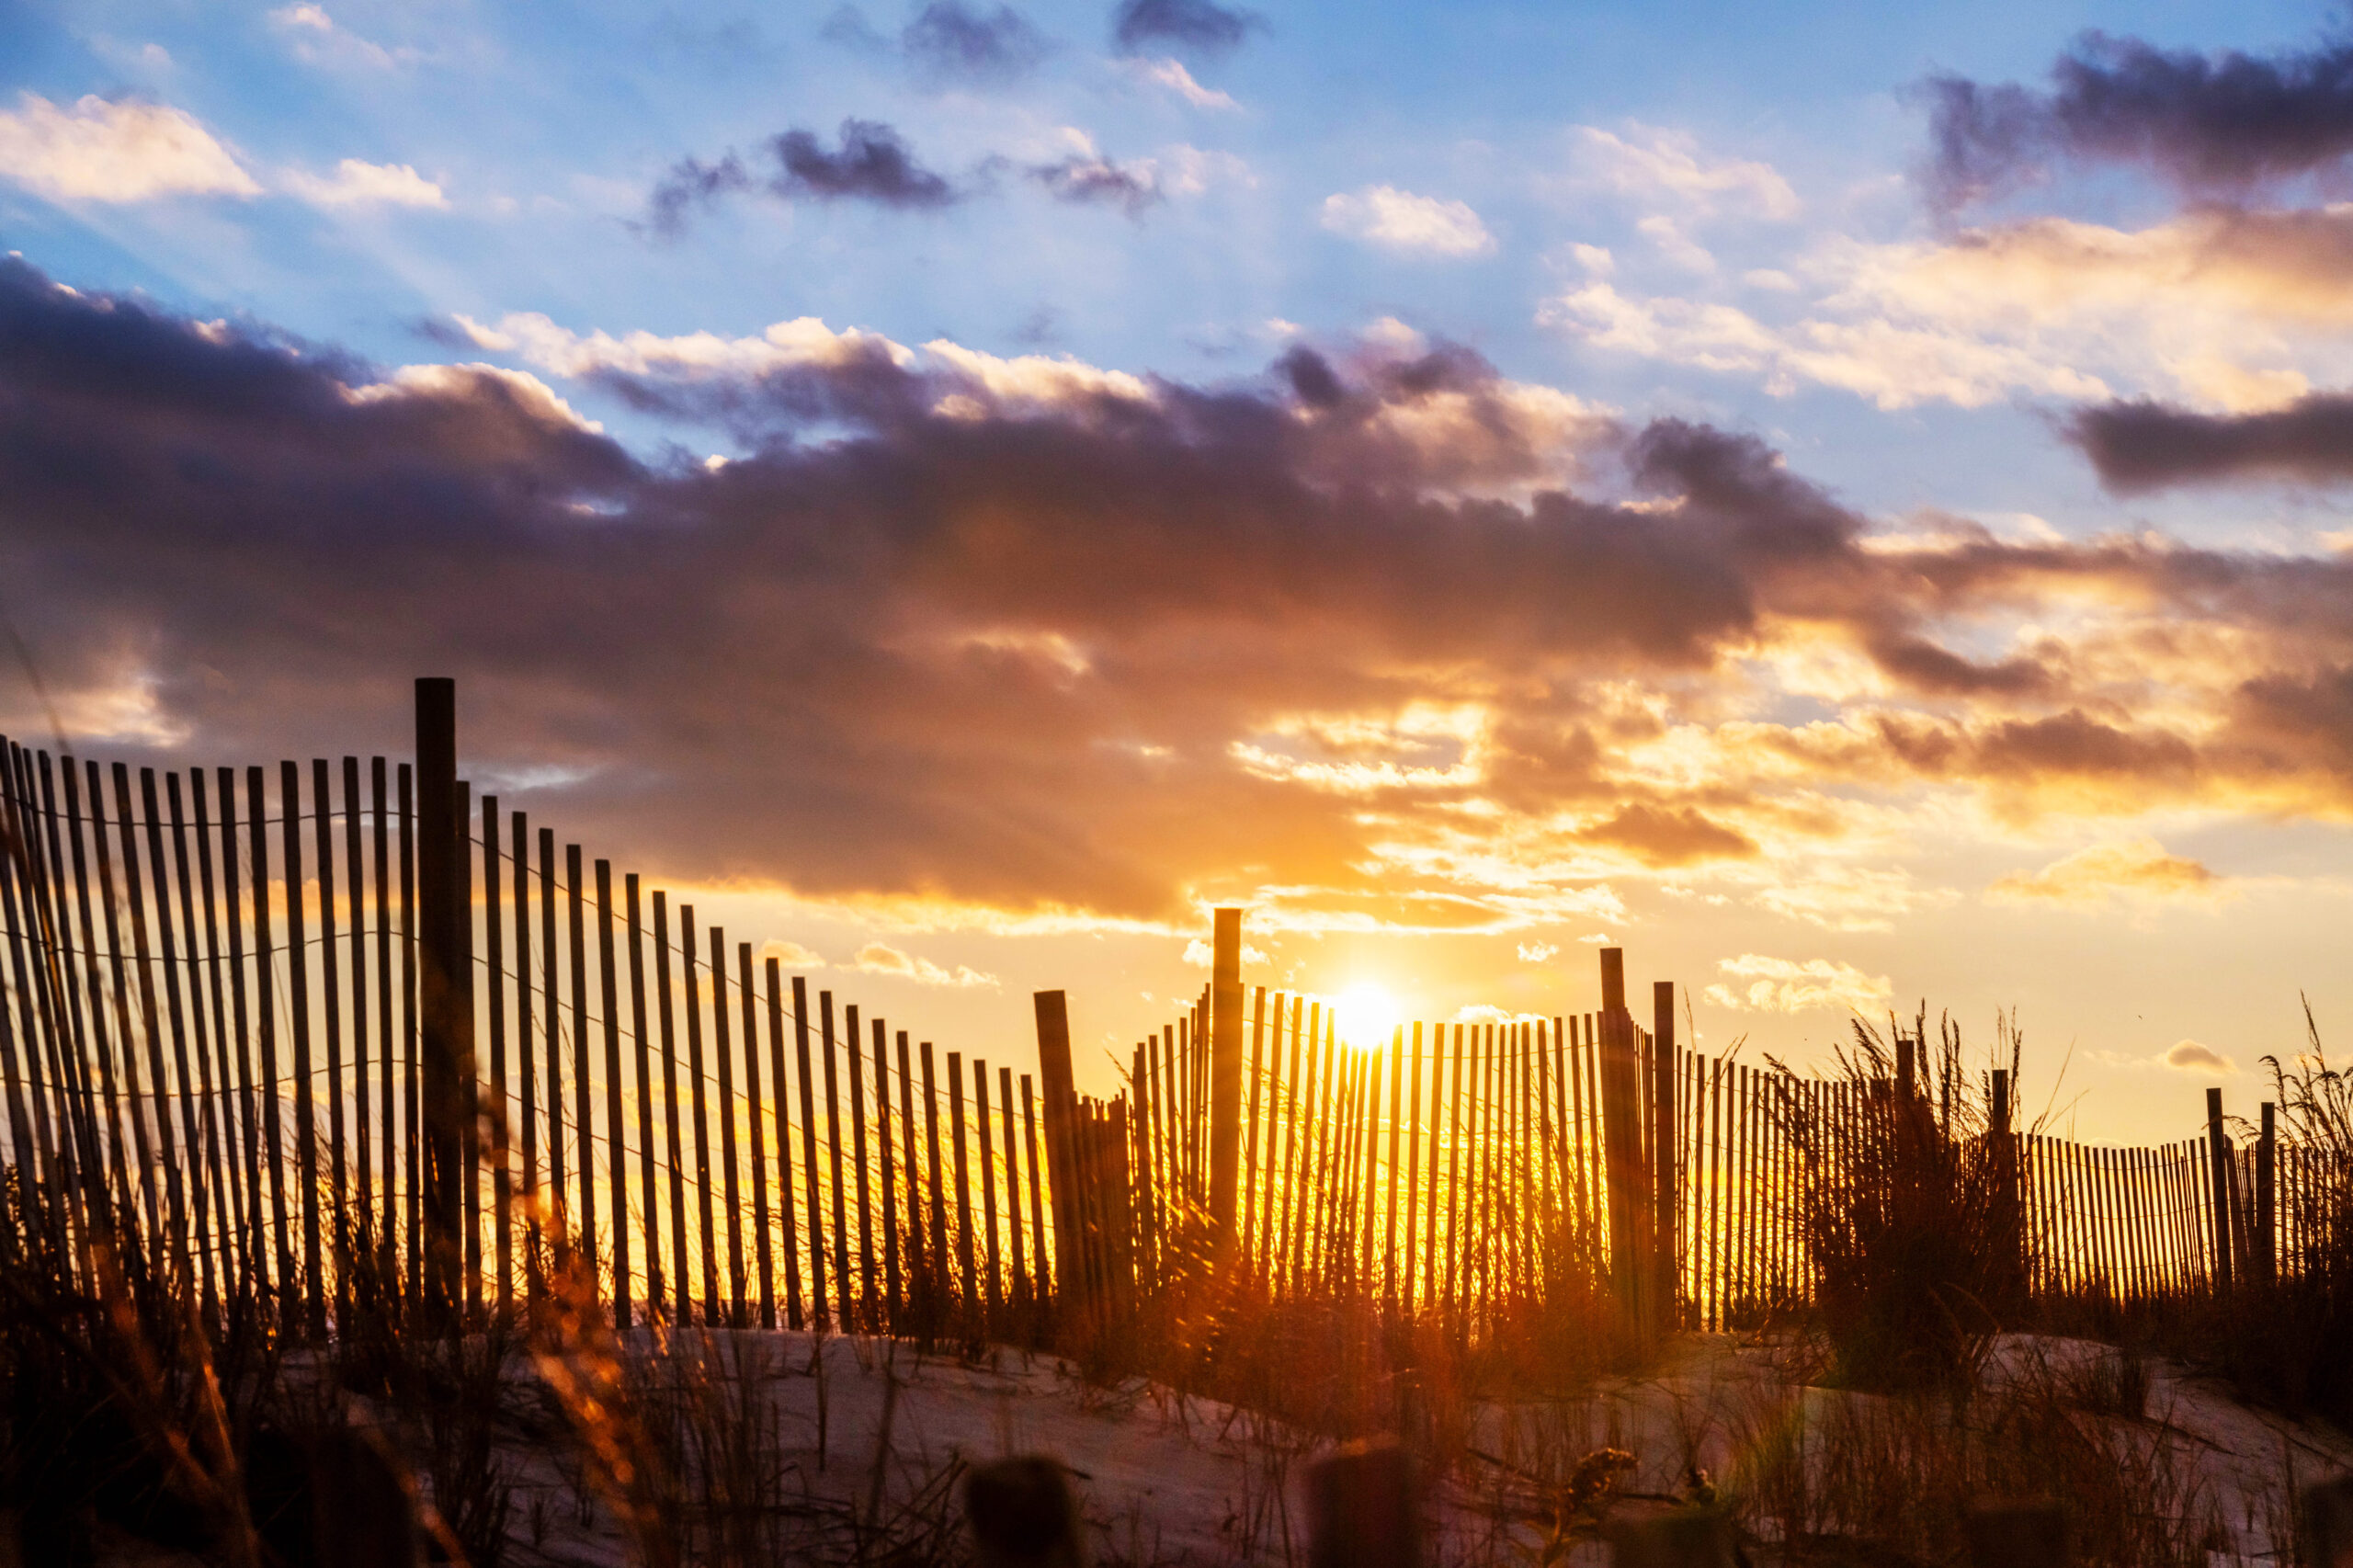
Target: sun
(1366, 1015)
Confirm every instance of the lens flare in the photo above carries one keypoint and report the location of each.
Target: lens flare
(1367, 1015)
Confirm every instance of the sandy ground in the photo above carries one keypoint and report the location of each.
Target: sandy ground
(867, 1425)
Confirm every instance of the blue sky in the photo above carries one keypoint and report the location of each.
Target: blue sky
(1609, 216)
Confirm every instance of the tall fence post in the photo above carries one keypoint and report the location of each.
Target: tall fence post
(1666, 1203)
(2218, 1149)
(440, 952)
(1622, 1136)
(1062, 1158)
(1225, 1076)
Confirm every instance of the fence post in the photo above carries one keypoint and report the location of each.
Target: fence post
(1621, 1135)
(1225, 1076)
(1062, 1164)
(1667, 1202)
(439, 954)
(2017, 1535)
(1362, 1509)
(2218, 1164)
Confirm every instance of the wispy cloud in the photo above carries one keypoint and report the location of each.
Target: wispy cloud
(317, 38)
(1651, 162)
(1172, 76)
(880, 958)
(358, 184)
(1784, 986)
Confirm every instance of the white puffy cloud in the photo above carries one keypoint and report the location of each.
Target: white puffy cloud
(1785, 985)
(1399, 219)
(1537, 952)
(2190, 1056)
(115, 151)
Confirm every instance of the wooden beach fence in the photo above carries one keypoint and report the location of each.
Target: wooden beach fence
(366, 1023)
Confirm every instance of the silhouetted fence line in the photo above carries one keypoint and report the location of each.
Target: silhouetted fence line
(230, 1051)
(363, 1031)
(1464, 1166)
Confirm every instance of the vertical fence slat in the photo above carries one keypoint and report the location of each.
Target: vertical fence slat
(616, 1136)
(649, 1192)
(792, 1237)
(764, 1251)
(852, 1050)
(722, 1051)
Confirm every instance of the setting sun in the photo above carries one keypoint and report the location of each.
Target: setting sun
(1367, 1015)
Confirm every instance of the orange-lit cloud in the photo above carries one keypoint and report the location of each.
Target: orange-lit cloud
(1019, 645)
(2092, 875)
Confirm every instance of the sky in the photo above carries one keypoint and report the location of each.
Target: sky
(1845, 501)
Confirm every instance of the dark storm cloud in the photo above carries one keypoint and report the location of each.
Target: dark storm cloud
(2215, 123)
(1101, 182)
(690, 184)
(872, 164)
(997, 633)
(2142, 445)
(1199, 25)
(949, 42)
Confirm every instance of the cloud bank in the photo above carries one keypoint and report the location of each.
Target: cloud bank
(1407, 641)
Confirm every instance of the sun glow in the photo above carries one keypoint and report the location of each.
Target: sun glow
(1366, 1015)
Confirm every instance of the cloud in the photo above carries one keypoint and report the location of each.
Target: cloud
(1200, 955)
(1784, 986)
(1670, 837)
(790, 955)
(1172, 76)
(1537, 952)
(1895, 364)
(2226, 122)
(318, 39)
(2144, 445)
(878, 957)
(1652, 162)
(1201, 25)
(1597, 939)
(2189, 1056)
(691, 183)
(1023, 642)
(1398, 220)
(949, 43)
(1090, 178)
(874, 163)
(2091, 875)
(114, 151)
(355, 184)
(2223, 307)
